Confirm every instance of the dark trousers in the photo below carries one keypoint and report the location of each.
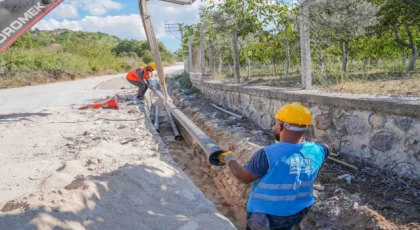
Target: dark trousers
(142, 87)
(283, 222)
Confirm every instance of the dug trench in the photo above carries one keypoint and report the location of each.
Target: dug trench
(370, 198)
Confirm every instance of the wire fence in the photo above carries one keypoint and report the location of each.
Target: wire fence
(382, 77)
(350, 51)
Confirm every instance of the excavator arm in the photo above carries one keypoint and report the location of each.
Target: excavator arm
(18, 16)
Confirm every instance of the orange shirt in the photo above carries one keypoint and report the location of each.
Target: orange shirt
(132, 74)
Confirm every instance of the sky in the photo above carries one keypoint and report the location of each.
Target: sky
(121, 18)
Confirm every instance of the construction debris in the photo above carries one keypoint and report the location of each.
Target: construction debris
(127, 140)
(123, 126)
(343, 163)
(319, 187)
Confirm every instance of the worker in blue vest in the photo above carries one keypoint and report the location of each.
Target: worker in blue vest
(283, 174)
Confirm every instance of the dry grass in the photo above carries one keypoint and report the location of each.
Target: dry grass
(405, 87)
(374, 81)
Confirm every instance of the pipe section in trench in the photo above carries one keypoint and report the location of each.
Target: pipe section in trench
(209, 147)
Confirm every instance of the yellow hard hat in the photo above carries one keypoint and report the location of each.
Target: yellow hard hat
(295, 113)
(152, 64)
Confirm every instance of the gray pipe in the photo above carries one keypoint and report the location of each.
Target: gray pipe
(156, 118)
(226, 111)
(152, 114)
(177, 135)
(209, 147)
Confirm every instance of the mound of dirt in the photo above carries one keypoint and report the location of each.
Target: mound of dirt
(345, 211)
(115, 83)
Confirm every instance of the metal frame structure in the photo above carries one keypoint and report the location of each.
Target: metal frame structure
(171, 28)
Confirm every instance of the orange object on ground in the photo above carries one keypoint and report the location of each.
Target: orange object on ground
(109, 104)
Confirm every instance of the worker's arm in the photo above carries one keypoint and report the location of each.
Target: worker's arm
(257, 166)
(241, 173)
(327, 148)
(140, 72)
(143, 81)
(150, 85)
(318, 141)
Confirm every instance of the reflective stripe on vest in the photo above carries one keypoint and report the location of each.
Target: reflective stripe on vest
(280, 198)
(287, 187)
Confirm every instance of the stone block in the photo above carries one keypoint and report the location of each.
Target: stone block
(404, 123)
(354, 148)
(383, 141)
(322, 122)
(355, 125)
(260, 105)
(377, 121)
(236, 100)
(413, 147)
(266, 121)
(245, 99)
(346, 147)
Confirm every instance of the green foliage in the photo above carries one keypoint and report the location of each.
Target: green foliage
(44, 56)
(147, 57)
(187, 87)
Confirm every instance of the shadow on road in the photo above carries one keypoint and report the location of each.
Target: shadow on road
(9, 118)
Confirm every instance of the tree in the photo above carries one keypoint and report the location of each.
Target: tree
(283, 32)
(401, 18)
(241, 17)
(342, 22)
(66, 35)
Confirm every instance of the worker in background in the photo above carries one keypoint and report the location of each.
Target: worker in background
(140, 78)
(283, 174)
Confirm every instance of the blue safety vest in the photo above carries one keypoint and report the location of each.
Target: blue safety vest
(286, 188)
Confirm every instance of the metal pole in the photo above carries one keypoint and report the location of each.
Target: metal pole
(226, 111)
(209, 147)
(177, 135)
(157, 117)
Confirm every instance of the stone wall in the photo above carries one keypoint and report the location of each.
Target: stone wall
(382, 130)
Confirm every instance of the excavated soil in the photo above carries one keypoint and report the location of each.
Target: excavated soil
(372, 199)
(188, 161)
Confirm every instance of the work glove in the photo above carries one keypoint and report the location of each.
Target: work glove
(226, 157)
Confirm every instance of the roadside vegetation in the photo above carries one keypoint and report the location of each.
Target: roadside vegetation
(48, 56)
(186, 87)
(358, 46)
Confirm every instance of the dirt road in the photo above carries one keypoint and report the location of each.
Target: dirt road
(94, 169)
(58, 95)
(35, 125)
